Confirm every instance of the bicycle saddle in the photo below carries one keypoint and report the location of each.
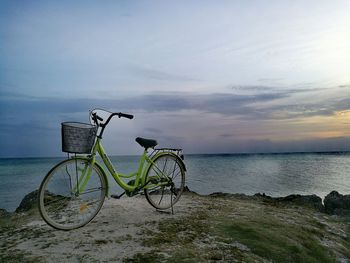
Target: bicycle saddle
(146, 143)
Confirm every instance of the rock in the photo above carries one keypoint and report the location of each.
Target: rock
(313, 201)
(264, 196)
(28, 202)
(220, 194)
(187, 190)
(3, 213)
(337, 204)
(307, 200)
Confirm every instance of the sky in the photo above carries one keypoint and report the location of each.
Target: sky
(205, 76)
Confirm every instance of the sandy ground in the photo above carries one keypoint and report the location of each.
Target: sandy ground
(130, 230)
(114, 234)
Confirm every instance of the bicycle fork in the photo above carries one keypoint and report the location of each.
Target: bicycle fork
(82, 179)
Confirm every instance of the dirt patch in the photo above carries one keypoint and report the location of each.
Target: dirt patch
(114, 234)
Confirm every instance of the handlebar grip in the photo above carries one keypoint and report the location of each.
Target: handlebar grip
(128, 116)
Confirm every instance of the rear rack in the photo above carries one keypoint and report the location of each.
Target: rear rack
(178, 152)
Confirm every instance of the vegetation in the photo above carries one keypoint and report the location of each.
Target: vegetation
(215, 229)
(236, 230)
(10, 224)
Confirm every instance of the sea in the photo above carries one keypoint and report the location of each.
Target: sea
(272, 174)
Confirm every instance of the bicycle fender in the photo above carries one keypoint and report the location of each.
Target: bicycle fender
(182, 163)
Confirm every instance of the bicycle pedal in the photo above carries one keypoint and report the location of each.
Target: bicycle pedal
(117, 196)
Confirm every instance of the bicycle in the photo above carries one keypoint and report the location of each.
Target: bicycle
(73, 191)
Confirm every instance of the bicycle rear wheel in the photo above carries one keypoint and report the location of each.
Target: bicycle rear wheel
(165, 168)
(61, 204)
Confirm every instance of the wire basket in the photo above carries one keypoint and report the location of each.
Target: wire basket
(78, 137)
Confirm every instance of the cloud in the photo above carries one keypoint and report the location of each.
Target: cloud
(231, 144)
(262, 106)
(176, 118)
(152, 73)
(222, 103)
(270, 105)
(327, 107)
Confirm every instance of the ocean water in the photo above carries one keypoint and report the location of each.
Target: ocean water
(272, 174)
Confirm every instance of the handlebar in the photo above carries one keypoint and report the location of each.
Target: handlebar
(128, 116)
(119, 114)
(97, 118)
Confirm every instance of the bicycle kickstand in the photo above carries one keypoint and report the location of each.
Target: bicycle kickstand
(172, 205)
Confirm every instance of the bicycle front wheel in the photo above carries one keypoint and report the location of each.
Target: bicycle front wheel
(168, 177)
(71, 194)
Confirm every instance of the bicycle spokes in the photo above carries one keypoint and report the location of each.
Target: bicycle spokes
(71, 194)
(167, 182)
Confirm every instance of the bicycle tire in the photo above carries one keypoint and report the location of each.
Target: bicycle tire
(60, 205)
(164, 197)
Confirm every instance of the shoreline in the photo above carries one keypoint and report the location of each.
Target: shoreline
(277, 176)
(333, 203)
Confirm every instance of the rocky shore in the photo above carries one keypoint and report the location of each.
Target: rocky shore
(334, 203)
(219, 227)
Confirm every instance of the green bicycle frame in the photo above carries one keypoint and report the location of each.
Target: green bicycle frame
(139, 175)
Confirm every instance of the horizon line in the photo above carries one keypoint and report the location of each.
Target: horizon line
(222, 153)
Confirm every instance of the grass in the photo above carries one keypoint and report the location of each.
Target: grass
(277, 243)
(346, 240)
(220, 229)
(16, 257)
(233, 230)
(9, 227)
